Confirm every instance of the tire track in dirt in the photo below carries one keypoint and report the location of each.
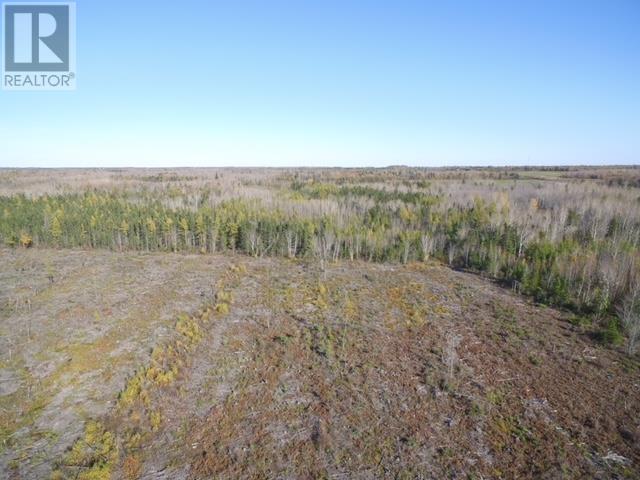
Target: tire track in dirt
(114, 445)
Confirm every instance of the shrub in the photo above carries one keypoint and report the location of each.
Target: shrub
(222, 308)
(132, 467)
(25, 240)
(611, 334)
(97, 450)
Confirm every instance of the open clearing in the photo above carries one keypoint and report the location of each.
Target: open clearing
(280, 370)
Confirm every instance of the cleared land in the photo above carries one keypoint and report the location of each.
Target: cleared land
(224, 366)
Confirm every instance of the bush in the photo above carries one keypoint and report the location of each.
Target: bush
(611, 334)
(25, 240)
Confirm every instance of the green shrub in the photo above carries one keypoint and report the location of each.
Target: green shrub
(611, 334)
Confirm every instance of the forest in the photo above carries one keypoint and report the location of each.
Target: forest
(567, 237)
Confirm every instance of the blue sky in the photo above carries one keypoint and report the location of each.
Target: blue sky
(340, 83)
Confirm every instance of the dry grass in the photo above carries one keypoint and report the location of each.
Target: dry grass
(281, 370)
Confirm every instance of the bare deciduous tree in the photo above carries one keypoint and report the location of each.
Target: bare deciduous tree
(629, 314)
(427, 242)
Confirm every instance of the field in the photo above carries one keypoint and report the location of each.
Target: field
(310, 323)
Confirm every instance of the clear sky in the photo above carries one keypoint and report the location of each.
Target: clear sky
(340, 83)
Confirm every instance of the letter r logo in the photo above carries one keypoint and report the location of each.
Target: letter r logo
(36, 37)
(24, 38)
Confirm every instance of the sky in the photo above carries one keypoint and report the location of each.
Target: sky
(339, 83)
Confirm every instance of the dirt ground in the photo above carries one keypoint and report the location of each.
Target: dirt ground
(74, 325)
(193, 366)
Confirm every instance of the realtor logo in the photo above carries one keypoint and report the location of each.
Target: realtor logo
(38, 46)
